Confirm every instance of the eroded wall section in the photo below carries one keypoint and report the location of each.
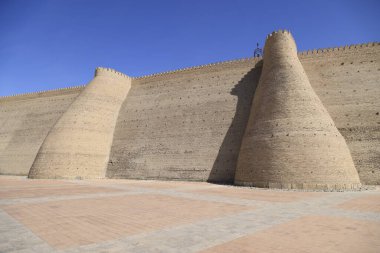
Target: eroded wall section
(78, 145)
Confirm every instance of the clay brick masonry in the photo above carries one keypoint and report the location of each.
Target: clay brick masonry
(208, 123)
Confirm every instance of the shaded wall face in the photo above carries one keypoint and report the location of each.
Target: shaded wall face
(186, 125)
(24, 123)
(163, 132)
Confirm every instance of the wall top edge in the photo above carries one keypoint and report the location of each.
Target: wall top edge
(101, 70)
(341, 48)
(314, 51)
(280, 31)
(44, 91)
(254, 59)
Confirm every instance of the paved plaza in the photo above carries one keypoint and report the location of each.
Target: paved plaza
(161, 216)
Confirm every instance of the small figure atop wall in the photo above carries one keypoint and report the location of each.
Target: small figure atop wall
(258, 51)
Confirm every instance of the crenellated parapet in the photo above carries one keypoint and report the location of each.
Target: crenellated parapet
(277, 32)
(346, 48)
(59, 91)
(279, 35)
(254, 60)
(100, 71)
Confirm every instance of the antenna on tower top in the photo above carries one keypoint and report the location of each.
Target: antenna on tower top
(258, 52)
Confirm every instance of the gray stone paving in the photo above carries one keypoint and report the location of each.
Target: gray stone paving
(183, 238)
(17, 238)
(216, 231)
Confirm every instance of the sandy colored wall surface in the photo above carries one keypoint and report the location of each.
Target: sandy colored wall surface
(24, 123)
(290, 139)
(189, 124)
(78, 145)
(348, 84)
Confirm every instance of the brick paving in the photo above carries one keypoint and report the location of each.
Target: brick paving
(310, 234)
(366, 204)
(264, 194)
(153, 216)
(61, 190)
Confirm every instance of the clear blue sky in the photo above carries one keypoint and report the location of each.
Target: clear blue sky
(49, 44)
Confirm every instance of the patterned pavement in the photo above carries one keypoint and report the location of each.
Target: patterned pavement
(159, 216)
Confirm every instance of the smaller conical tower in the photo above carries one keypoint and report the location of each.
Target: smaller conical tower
(291, 140)
(78, 145)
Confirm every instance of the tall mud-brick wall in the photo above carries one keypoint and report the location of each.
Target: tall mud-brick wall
(186, 124)
(78, 145)
(25, 120)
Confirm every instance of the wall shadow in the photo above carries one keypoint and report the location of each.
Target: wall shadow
(224, 167)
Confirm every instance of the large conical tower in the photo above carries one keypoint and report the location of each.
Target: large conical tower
(290, 140)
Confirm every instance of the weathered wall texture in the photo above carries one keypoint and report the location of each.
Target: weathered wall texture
(78, 144)
(184, 125)
(290, 139)
(189, 124)
(25, 121)
(348, 83)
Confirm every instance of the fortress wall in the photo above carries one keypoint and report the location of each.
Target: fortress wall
(206, 110)
(78, 144)
(25, 121)
(184, 125)
(189, 124)
(348, 83)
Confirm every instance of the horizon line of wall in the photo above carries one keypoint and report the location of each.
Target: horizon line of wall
(302, 54)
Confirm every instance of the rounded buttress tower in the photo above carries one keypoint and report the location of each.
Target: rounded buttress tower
(78, 145)
(290, 140)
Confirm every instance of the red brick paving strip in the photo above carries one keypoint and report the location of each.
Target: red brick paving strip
(255, 194)
(310, 234)
(152, 184)
(52, 191)
(23, 182)
(364, 204)
(69, 223)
